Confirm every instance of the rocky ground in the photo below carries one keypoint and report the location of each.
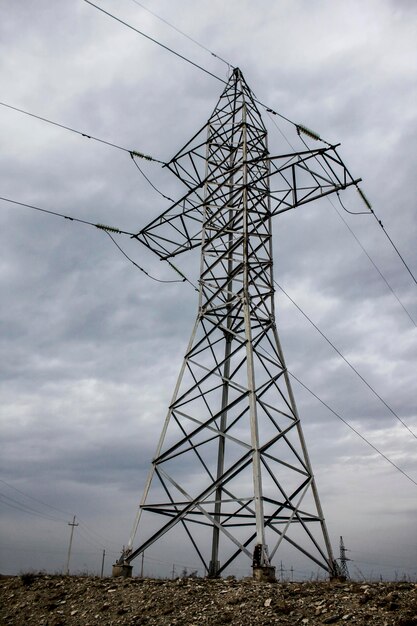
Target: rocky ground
(44, 600)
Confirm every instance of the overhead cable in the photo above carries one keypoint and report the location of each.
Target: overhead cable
(200, 67)
(82, 134)
(369, 212)
(372, 212)
(353, 429)
(346, 361)
(24, 508)
(107, 230)
(347, 210)
(67, 217)
(148, 179)
(33, 498)
(407, 312)
(158, 280)
(269, 110)
(181, 32)
(395, 248)
(345, 421)
(300, 127)
(139, 32)
(81, 522)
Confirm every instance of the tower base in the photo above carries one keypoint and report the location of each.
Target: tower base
(264, 573)
(122, 570)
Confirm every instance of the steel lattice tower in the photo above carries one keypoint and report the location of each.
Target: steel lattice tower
(344, 572)
(231, 463)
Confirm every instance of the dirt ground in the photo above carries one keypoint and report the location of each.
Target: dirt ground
(44, 600)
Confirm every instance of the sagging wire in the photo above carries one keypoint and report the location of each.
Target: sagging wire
(135, 154)
(347, 210)
(158, 280)
(108, 230)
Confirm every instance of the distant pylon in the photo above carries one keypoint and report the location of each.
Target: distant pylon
(343, 561)
(231, 466)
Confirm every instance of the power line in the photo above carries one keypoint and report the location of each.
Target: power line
(107, 230)
(369, 212)
(353, 429)
(373, 263)
(395, 248)
(21, 506)
(67, 217)
(149, 180)
(346, 360)
(79, 132)
(281, 131)
(34, 499)
(200, 67)
(269, 110)
(347, 210)
(372, 212)
(82, 524)
(158, 280)
(181, 32)
(136, 30)
(343, 420)
(91, 541)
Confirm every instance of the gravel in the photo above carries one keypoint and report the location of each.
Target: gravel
(44, 600)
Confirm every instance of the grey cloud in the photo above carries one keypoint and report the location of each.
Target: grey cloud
(91, 348)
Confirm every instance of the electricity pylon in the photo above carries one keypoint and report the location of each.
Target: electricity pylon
(231, 466)
(344, 572)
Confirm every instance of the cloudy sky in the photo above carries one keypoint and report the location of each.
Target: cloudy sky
(91, 347)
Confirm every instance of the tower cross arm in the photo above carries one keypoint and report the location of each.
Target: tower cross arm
(302, 177)
(177, 229)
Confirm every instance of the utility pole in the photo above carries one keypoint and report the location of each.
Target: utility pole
(232, 421)
(102, 564)
(141, 565)
(72, 524)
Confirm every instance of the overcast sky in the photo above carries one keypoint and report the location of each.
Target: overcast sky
(91, 347)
